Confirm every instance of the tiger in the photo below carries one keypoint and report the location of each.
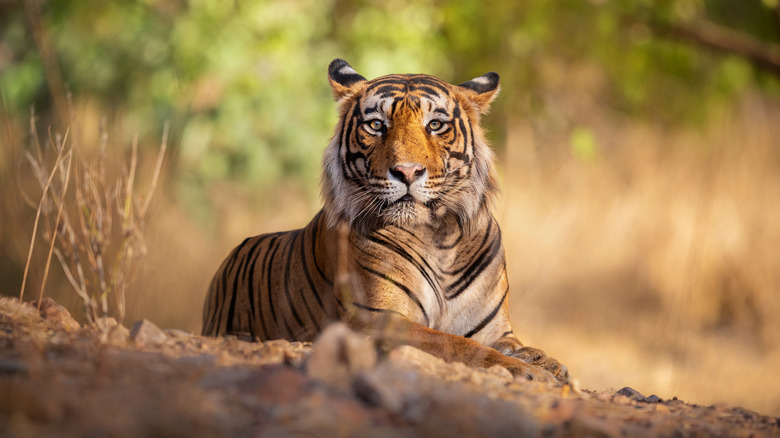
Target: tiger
(405, 247)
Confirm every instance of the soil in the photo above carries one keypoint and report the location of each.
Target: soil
(59, 378)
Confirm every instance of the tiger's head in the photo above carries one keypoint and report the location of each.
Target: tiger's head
(408, 150)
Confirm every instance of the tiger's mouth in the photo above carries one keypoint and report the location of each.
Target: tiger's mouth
(406, 211)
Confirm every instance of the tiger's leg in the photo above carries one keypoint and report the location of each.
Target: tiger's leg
(509, 345)
(398, 330)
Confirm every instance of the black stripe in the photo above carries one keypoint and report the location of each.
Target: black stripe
(320, 217)
(268, 261)
(249, 280)
(460, 236)
(426, 89)
(230, 326)
(309, 312)
(481, 245)
(248, 276)
(306, 272)
(488, 318)
(231, 294)
(388, 90)
(387, 81)
(397, 284)
(476, 268)
(432, 280)
(344, 149)
(286, 279)
(430, 81)
(375, 309)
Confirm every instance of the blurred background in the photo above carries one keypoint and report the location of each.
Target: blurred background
(638, 144)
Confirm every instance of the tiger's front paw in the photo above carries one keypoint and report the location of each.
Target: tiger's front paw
(518, 368)
(513, 348)
(535, 356)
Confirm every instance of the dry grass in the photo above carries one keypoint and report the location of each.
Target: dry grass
(96, 230)
(656, 264)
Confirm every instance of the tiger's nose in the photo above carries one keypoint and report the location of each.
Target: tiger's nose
(407, 174)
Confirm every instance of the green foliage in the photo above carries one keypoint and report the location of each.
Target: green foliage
(244, 83)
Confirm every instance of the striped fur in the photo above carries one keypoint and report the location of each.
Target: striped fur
(405, 246)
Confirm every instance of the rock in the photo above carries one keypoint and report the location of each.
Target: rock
(145, 333)
(500, 372)
(631, 393)
(421, 360)
(178, 334)
(108, 331)
(440, 408)
(117, 336)
(339, 354)
(376, 391)
(105, 324)
(584, 425)
(635, 395)
(56, 315)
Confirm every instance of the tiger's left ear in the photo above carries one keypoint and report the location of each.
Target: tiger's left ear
(482, 91)
(343, 79)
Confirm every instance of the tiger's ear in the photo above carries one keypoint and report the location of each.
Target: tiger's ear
(482, 91)
(343, 78)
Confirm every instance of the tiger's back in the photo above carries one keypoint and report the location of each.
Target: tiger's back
(274, 286)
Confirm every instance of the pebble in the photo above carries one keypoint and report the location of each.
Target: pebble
(117, 336)
(635, 395)
(339, 354)
(145, 332)
(57, 315)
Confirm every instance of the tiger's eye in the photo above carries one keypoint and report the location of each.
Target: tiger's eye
(376, 125)
(434, 125)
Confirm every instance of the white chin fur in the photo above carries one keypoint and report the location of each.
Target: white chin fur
(406, 214)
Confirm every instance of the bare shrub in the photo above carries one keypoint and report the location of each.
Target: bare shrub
(95, 229)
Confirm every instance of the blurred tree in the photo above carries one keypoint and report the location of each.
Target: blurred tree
(244, 81)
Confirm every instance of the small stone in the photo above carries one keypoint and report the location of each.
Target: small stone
(675, 402)
(117, 335)
(56, 315)
(105, 324)
(339, 354)
(631, 393)
(101, 328)
(145, 333)
(376, 391)
(652, 399)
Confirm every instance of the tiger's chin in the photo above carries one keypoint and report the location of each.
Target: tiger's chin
(406, 214)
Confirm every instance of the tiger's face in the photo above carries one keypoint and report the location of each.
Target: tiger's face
(408, 150)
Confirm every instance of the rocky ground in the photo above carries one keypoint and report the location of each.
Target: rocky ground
(58, 378)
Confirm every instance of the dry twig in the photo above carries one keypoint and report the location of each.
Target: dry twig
(100, 255)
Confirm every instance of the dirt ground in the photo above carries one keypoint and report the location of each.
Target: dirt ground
(58, 378)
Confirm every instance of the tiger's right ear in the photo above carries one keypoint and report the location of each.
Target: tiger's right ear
(343, 79)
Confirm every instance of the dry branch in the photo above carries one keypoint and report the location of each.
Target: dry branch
(100, 254)
(762, 54)
(38, 171)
